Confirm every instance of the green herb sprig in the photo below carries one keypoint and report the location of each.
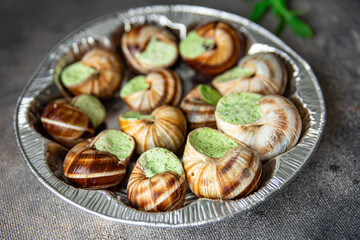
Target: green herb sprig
(285, 15)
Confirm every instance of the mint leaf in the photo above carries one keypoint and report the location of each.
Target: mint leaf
(300, 28)
(259, 10)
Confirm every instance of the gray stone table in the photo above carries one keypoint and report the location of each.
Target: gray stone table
(322, 202)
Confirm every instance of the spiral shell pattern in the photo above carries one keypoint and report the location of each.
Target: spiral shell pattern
(277, 131)
(65, 123)
(136, 40)
(229, 47)
(90, 168)
(197, 111)
(165, 89)
(232, 176)
(162, 192)
(269, 76)
(167, 129)
(108, 78)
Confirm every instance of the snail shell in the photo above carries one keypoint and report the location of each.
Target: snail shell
(162, 192)
(90, 168)
(229, 45)
(277, 131)
(166, 128)
(197, 111)
(267, 75)
(65, 123)
(165, 88)
(232, 176)
(137, 41)
(107, 78)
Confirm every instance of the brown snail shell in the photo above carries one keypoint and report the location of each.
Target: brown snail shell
(87, 167)
(197, 111)
(230, 45)
(277, 131)
(162, 192)
(165, 89)
(267, 75)
(136, 41)
(167, 129)
(108, 76)
(232, 176)
(65, 123)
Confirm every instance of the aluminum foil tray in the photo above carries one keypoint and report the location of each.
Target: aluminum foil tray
(45, 158)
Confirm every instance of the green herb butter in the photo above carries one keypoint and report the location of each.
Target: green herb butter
(158, 160)
(115, 142)
(135, 116)
(240, 108)
(76, 73)
(136, 84)
(232, 74)
(92, 107)
(157, 53)
(211, 142)
(194, 45)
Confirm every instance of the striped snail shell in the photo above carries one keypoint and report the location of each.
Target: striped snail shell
(212, 48)
(262, 73)
(88, 167)
(149, 47)
(200, 111)
(66, 123)
(159, 192)
(165, 127)
(106, 74)
(233, 174)
(159, 87)
(277, 129)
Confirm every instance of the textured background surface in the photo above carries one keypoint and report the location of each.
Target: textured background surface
(323, 201)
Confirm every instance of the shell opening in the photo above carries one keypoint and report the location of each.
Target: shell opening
(92, 107)
(136, 84)
(158, 160)
(157, 53)
(194, 45)
(132, 115)
(76, 73)
(240, 108)
(233, 74)
(211, 142)
(115, 142)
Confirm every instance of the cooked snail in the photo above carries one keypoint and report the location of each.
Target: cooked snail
(262, 73)
(199, 106)
(158, 87)
(72, 122)
(99, 73)
(212, 48)
(268, 124)
(218, 166)
(99, 162)
(149, 47)
(157, 182)
(165, 127)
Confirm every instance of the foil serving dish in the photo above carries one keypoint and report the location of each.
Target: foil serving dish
(45, 158)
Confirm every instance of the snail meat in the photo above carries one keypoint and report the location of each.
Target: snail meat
(268, 124)
(218, 166)
(212, 48)
(72, 122)
(149, 47)
(199, 106)
(158, 87)
(157, 182)
(99, 73)
(262, 73)
(165, 127)
(99, 162)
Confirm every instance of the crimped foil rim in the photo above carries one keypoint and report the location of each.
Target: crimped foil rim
(202, 211)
